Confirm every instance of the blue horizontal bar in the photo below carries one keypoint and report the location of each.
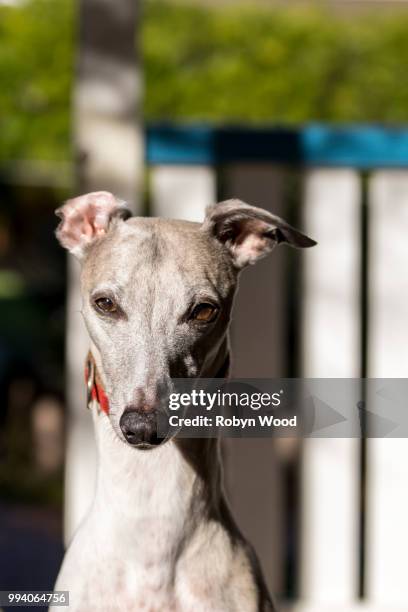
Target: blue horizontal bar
(357, 146)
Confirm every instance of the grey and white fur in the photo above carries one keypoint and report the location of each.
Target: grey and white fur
(157, 298)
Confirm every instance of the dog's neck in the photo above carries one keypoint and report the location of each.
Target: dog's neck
(174, 488)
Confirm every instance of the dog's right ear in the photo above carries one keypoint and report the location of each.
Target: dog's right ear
(86, 218)
(250, 233)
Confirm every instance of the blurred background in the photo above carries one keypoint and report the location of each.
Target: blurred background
(298, 107)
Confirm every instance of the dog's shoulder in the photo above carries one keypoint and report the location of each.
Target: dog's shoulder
(265, 601)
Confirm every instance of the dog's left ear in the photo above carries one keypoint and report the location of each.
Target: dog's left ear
(250, 233)
(86, 218)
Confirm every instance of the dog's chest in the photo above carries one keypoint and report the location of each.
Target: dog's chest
(145, 548)
(120, 588)
(120, 580)
(147, 590)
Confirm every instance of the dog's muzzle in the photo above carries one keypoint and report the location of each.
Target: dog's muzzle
(139, 428)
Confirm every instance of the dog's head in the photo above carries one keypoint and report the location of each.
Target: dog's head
(157, 295)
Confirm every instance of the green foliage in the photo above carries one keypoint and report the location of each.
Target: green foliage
(253, 64)
(225, 64)
(36, 66)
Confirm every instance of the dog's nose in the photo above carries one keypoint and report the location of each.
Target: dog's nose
(139, 427)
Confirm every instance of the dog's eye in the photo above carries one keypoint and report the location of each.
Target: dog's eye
(204, 313)
(105, 305)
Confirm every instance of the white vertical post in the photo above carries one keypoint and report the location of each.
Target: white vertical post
(387, 490)
(259, 350)
(329, 561)
(109, 150)
(80, 462)
(182, 192)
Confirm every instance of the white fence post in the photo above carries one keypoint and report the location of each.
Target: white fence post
(387, 490)
(259, 350)
(182, 192)
(331, 348)
(80, 463)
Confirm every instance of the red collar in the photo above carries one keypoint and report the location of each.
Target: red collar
(94, 385)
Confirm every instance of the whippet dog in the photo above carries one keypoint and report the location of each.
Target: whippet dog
(157, 297)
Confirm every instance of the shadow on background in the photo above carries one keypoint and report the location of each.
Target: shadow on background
(32, 414)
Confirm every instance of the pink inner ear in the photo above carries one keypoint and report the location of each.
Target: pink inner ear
(85, 218)
(253, 246)
(251, 242)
